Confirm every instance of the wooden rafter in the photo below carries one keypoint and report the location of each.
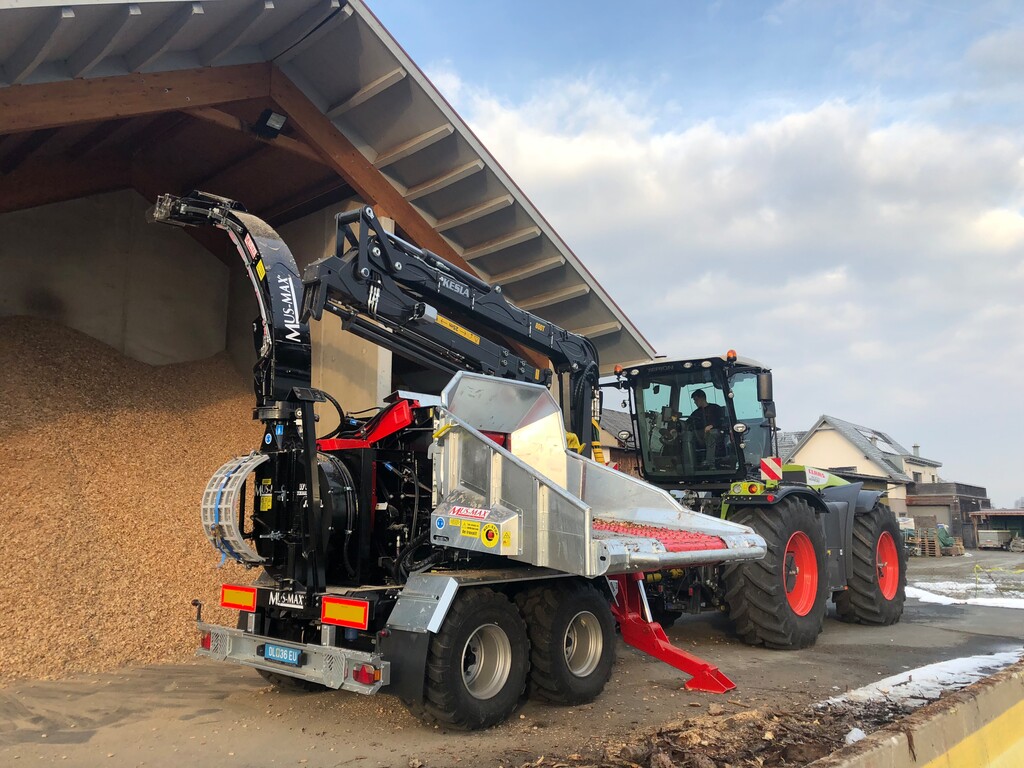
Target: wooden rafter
(56, 179)
(290, 207)
(28, 146)
(320, 133)
(69, 102)
(103, 132)
(349, 162)
(230, 122)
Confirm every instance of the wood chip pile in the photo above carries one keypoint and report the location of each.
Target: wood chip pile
(104, 460)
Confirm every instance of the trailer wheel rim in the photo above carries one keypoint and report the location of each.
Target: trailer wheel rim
(887, 565)
(583, 644)
(800, 573)
(486, 661)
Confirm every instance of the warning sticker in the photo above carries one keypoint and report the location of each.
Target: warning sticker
(489, 535)
(457, 329)
(266, 495)
(471, 528)
(506, 539)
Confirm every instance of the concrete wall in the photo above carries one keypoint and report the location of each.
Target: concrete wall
(96, 265)
(156, 295)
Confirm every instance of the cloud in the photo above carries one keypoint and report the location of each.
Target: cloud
(877, 266)
(999, 55)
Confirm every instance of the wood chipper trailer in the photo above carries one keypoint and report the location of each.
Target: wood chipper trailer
(449, 550)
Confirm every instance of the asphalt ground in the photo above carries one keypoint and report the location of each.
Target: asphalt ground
(214, 714)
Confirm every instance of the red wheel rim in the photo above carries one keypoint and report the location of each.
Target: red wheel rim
(800, 574)
(887, 565)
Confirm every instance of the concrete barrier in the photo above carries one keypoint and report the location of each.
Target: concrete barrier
(981, 726)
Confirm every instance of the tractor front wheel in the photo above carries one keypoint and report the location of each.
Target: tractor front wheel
(877, 583)
(780, 601)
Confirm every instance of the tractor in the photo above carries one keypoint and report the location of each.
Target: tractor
(705, 430)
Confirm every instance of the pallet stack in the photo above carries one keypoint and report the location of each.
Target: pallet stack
(928, 542)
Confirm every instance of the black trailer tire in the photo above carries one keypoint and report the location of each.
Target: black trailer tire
(287, 683)
(477, 663)
(572, 640)
(779, 601)
(877, 586)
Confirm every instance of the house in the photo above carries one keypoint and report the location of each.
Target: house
(863, 454)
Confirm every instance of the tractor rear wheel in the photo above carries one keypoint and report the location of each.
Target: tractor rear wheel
(476, 664)
(780, 601)
(876, 588)
(572, 640)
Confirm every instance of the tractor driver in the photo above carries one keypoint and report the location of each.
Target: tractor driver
(707, 423)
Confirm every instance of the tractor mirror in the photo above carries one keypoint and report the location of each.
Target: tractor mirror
(625, 435)
(769, 409)
(764, 386)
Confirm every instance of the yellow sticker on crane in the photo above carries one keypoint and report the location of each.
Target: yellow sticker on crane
(471, 528)
(457, 329)
(260, 269)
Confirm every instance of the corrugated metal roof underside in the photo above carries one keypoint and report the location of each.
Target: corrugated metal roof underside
(353, 70)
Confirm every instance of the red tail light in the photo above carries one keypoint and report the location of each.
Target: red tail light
(204, 640)
(365, 674)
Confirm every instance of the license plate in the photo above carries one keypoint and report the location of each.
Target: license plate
(282, 654)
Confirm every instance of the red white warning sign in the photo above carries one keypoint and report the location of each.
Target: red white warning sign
(771, 468)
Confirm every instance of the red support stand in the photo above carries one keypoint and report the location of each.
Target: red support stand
(649, 637)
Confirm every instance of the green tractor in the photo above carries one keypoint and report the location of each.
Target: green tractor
(705, 430)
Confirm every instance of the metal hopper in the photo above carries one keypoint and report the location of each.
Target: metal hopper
(505, 483)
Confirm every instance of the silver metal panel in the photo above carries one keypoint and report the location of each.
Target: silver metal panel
(324, 665)
(489, 499)
(424, 602)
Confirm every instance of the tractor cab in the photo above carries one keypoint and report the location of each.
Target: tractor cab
(701, 422)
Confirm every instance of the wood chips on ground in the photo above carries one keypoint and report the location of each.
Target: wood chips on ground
(104, 460)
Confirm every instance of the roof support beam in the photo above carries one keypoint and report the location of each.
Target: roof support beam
(314, 23)
(48, 105)
(501, 243)
(554, 297)
(232, 123)
(225, 41)
(444, 180)
(151, 47)
(287, 207)
(601, 329)
(473, 213)
(367, 92)
(28, 146)
(349, 162)
(54, 180)
(527, 271)
(413, 145)
(98, 47)
(95, 137)
(33, 51)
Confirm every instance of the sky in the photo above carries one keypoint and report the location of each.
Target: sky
(833, 188)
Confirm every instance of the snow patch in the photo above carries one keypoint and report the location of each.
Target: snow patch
(924, 684)
(989, 602)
